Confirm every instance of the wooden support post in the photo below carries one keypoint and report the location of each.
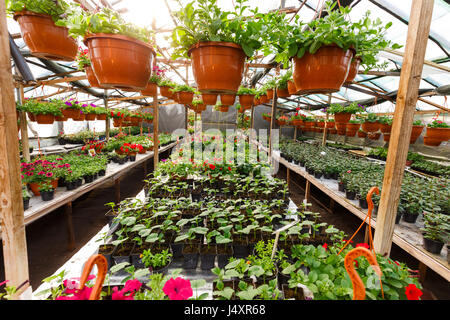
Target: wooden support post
(70, 231)
(272, 121)
(307, 190)
(416, 44)
(332, 203)
(11, 204)
(295, 133)
(117, 190)
(155, 132)
(186, 118)
(324, 137)
(23, 127)
(288, 176)
(108, 121)
(422, 271)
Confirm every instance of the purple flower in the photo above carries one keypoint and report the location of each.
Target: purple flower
(84, 105)
(93, 105)
(67, 103)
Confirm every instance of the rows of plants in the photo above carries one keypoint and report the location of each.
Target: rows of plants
(44, 174)
(355, 177)
(47, 112)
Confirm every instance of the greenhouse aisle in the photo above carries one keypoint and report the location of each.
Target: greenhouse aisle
(47, 237)
(349, 223)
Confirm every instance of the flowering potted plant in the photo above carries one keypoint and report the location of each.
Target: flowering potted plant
(136, 118)
(40, 30)
(72, 109)
(246, 96)
(148, 117)
(84, 64)
(155, 78)
(121, 53)
(352, 127)
(297, 118)
(282, 120)
(267, 116)
(118, 116)
(43, 112)
(437, 132)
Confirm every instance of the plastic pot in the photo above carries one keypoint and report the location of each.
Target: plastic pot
(246, 100)
(350, 195)
(410, 217)
(90, 116)
(101, 117)
(291, 87)
(370, 126)
(185, 97)
(353, 71)
(150, 90)
(415, 133)
(177, 249)
(106, 250)
(44, 38)
(218, 67)
(122, 253)
(322, 72)
(45, 118)
(433, 246)
(227, 99)
(26, 203)
(88, 178)
(270, 94)
(71, 185)
(264, 99)
(47, 195)
(164, 90)
(342, 117)
(92, 79)
(362, 134)
(35, 187)
(385, 128)
(207, 256)
(283, 93)
(190, 256)
(119, 61)
(442, 134)
(209, 99)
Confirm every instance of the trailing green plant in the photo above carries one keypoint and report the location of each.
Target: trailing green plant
(352, 108)
(55, 9)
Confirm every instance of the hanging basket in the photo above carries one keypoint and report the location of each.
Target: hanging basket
(291, 87)
(330, 124)
(385, 128)
(353, 71)
(351, 129)
(71, 113)
(184, 97)
(60, 118)
(246, 100)
(45, 118)
(342, 117)
(297, 122)
(256, 101)
(150, 90)
(31, 116)
(386, 137)
(322, 72)
(227, 99)
(210, 99)
(117, 122)
(374, 135)
(92, 79)
(120, 62)
(371, 126)
(164, 90)
(415, 133)
(81, 117)
(283, 93)
(264, 99)
(218, 67)
(442, 134)
(90, 116)
(270, 94)
(223, 108)
(362, 134)
(101, 117)
(44, 38)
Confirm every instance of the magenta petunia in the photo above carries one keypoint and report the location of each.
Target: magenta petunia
(178, 289)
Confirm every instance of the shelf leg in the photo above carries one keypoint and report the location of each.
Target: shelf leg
(70, 231)
(117, 190)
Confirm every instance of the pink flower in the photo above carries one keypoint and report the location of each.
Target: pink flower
(364, 245)
(2, 283)
(178, 289)
(49, 174)
(128, 291)
(349, 171)
(77, 294)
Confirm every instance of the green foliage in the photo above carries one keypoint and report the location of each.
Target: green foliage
(339, 108)
(53, 8)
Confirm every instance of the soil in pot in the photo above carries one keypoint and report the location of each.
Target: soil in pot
(433, 246)
(207, 256)
(122, 253)
(292, 293)
(190, 256)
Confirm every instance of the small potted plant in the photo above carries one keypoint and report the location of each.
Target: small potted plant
(184, 93)
(47, 191)
(220, 107)
(267, 116)
(84, 64)
(342, 114)
(152, 85)
(164, 88)
(385, 124)
(282, 85)
(246, 96)
(282, 120)
(371, 123)
(26, 198)
(417, 129)
(436, 231)
(352, 127)
(297, 119)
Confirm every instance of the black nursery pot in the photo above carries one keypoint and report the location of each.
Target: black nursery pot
(122, 253)
(71, 185)
(101, 173)
(62, 182)
(47, 195)
(317, 175)
(132, 158)
(177, 249)
(190, 256)
(207, 256)
(224, 253)
(106, 250)
(409, 217)
(363, 203)
(350, 195)
(26, 203)
(341, 187)
(88, 179)
(327, 176)
(433, 246)
(79, 182)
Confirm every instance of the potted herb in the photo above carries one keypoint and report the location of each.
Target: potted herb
(121, 53)
(437, 132)
(436, 231)
(39, 26)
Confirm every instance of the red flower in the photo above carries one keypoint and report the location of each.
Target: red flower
(212, 167)
(178, 289)
(229, 168)
(412, 292)
(325, 245)
(364, 245)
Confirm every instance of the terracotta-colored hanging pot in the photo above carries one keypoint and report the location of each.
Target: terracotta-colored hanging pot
(218, 67)
(385, 128)
(256, 101)
(117, 122)
(90, 116)
(320, 124)
(432, 142)
(60, 118)
(119, 61)
(371, 126)
(71, 113)
(81, 117)
(354, 67)
(44, 38)
(308, 124)
(297, 122)
(267, 118)
(92, 79)
(185, 97)
(438, 133)
(281, 122)
(374, 135)
(264, 99)
(415, 133)
(283, 93)
(270, 94)
(333, 131)
(246, 100)
(386, 137)
(31, 116)
(45, 118)
(227, 99)
(101, 117)
(342, 117)
(150, 90)
(330, 124)
(223, 108)
(291, 87)
(351, 129)
(322, 72)
(164, 90)
(209, 99)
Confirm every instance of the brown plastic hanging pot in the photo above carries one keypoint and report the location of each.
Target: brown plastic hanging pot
(371, 126)
(218, 67)
(165, 92)
(351, 129)
(44, 38)
(342, 117)
(101, 117)
(227, 99)
(431, 141)
(90, 116)
(209, 99)
(386, 137)
(362, 134)
(117, 122)
(353, 71)
(71, 113)
(322, 72)
(150, 90)
(291, 87)
(45, 118)
(374, 135)
(270, 94)
(385, 128)
(81, 117)
(185, 97)
(119, 61)
(246, 100)
(60, 118)
(442, 134)
(256, 101)
(223, 108)
(92, 79)
(283, 93)
(330, 124)
(415, 133)
(264, 99)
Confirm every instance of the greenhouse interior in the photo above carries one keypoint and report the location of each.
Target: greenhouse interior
(225, 150)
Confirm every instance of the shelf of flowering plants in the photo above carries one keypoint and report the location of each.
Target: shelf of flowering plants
(406, 235)
(38, 208)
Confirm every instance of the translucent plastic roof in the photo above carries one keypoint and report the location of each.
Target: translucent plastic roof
(145, 13)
